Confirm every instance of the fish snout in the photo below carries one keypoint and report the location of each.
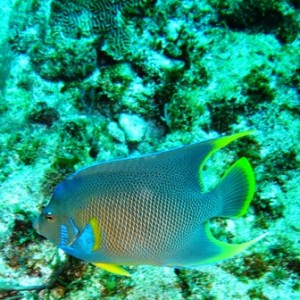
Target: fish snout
(35, 224)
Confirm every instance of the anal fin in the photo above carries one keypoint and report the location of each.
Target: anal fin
(203, 248)
(223, 250)
(113, 269)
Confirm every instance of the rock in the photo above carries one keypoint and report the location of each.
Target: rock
(134, 127)
(116, 132)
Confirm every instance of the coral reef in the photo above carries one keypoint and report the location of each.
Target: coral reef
(104, 18)
(88, 81)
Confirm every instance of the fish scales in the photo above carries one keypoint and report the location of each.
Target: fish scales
(134, 211)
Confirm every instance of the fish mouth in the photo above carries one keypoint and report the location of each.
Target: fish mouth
(35, 224)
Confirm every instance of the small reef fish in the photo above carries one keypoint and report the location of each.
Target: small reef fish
(149, 210)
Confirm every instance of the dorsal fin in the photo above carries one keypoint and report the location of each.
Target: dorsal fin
(187, 161)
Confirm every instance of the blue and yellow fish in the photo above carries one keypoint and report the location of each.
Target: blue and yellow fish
(148, 210)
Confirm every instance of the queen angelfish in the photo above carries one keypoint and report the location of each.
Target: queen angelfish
(149, 210)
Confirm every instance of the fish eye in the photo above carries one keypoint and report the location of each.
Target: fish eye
(49, 216)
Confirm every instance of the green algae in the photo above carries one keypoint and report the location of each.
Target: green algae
(277, 17)
(194, 70)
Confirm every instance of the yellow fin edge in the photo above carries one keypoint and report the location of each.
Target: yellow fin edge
(217, 144)
(221, 142)
(96, 232)
(113, 269)
(243, 166)
(227, 250)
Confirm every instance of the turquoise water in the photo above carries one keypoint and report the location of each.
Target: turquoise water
(87, 81)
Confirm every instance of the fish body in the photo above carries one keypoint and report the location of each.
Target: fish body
(148, 210)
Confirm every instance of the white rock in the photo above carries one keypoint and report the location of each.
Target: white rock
(116, 132)
(134, 127)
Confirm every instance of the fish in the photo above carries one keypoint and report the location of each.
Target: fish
(149, 210)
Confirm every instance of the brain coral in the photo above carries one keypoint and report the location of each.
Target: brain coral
(76, 18)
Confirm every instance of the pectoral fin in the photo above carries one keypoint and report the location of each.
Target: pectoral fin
(88, 240)
(96, 233)
(113, 269)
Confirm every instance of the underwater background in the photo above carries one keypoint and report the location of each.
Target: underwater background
(87, 81)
